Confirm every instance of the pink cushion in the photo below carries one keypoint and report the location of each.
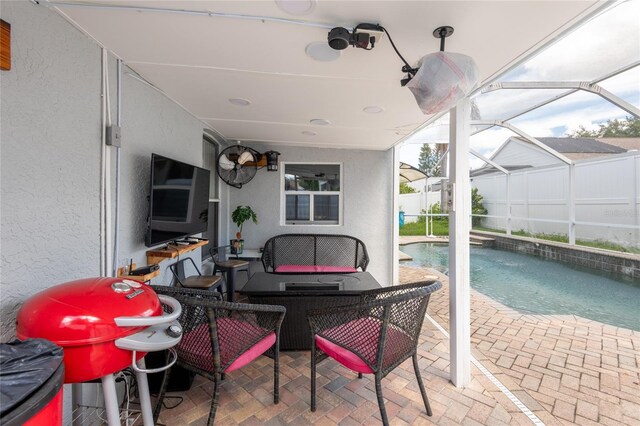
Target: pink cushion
(343, 356)
(335, 269)
(305, 269)
(361, 336)
(296, 268)
(254, 352)
(233, 336)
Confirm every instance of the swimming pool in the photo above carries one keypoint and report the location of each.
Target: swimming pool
(535, 285)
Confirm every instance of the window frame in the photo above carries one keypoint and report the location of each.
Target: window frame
(311, 222)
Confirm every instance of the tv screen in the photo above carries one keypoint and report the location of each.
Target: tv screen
(178, 202)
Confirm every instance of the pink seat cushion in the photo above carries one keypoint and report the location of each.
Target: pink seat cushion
(361, 336)
(233, 336)
(305, 269)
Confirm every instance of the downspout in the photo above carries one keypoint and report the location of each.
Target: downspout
(103, 139)
(107, 176)
(116, 223)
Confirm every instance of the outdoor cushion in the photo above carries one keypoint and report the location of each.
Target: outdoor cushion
(361, 336)
(233, 336)
(310, 269)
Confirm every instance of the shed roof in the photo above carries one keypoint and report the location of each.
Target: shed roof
(580, 145)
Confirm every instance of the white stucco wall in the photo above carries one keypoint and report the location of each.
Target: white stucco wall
(50, 157)
(368, 202)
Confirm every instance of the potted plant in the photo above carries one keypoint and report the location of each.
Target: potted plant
(239, 216)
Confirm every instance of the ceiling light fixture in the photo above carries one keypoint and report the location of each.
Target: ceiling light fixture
(321, 51)
(296, 7)
(439, 80)
(373, 109)
(240, 102)
(309, 133)
(319, 122)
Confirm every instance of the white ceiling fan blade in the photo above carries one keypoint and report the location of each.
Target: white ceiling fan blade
(225, 163)
(244, 157)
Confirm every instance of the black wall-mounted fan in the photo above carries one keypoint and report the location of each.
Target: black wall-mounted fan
(237, 165)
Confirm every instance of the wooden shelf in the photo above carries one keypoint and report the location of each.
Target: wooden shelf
(144, 278)
(172, 251)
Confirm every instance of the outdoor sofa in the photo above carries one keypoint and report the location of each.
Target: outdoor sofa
(314, 254)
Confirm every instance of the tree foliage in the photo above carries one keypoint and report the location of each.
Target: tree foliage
(428, 159)
(406, 189)
(627, 128)
(477, 207)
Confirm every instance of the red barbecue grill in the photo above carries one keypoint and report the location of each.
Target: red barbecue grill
(104, 325)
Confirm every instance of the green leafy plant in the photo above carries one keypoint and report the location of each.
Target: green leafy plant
(477, 207)
(242, 214)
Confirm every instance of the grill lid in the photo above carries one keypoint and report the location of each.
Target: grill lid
(82, 312)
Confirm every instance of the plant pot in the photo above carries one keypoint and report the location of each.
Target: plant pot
(237, 246)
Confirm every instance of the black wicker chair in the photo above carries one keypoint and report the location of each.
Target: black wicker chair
(373, 336)
(220, 337)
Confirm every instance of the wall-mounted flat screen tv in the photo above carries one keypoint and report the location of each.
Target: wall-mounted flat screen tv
(178, 201)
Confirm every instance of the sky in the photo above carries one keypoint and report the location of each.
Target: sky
(590, 52)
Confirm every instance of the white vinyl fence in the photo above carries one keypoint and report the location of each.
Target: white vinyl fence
(606, 199)
(414, 204)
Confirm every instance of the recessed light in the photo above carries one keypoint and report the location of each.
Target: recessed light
(322, 52)
(296, 7)
(240, 102)
(309, 133)
(320, 122)
(373, 109)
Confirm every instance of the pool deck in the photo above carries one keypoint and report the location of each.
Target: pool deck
(565, 369)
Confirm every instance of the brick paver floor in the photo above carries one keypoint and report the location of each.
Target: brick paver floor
(565, 369)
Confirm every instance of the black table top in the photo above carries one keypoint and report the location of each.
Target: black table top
(264, 283)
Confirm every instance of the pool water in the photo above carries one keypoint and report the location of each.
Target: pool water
(535, 285)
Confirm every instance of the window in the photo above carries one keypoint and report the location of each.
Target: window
(312, 193)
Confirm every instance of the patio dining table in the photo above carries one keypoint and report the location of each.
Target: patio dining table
(299, 293)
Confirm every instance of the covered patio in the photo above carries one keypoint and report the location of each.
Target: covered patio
(188, 80)
(561, 369)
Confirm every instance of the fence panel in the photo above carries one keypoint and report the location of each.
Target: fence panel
(606, 193)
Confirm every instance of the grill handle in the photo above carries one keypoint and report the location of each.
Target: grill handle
(173, 359)
(157, 320)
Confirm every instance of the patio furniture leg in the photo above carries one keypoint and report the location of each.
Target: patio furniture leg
(276, 371)
(214, 400)
(313, 375)
(383, 410)
(422, 390)
(359, 375)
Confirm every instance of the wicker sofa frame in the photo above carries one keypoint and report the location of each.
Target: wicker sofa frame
(314, 250)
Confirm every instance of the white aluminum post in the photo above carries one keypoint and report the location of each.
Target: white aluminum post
(395, 239)
(459, 226)
(508, 200)
(572, 204)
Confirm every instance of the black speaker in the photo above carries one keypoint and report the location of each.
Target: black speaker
(180, 379)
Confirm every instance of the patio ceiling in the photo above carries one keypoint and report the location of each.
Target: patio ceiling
(201, 62)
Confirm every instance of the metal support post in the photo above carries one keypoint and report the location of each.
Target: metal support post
(459, 226)
(508, 201)
(572, 204)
